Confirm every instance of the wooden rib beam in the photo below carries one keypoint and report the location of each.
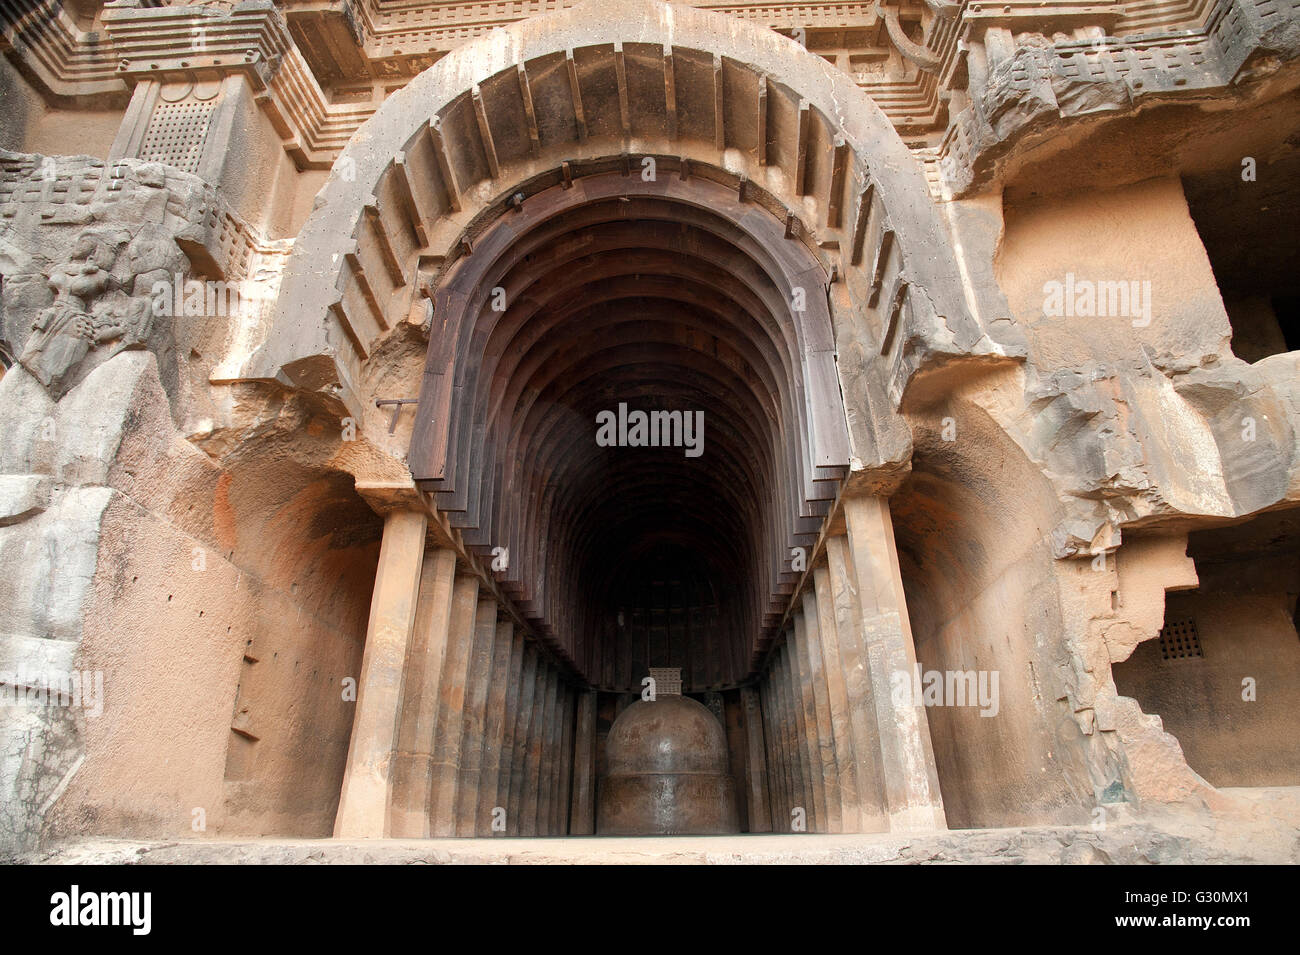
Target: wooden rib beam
(878, 267)
(526, 94)
(345, 322)
(835, 198)
(443, 159)
(762, 119)
(620, 73)
(860, 223)
(406, 199)
(384, 242)
(576, 92)
(367, 291)
(485, 132)
(719, 117)
(895, 309)
(801, 155)
(670, 93)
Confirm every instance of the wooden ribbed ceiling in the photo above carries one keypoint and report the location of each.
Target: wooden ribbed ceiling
(677, 295)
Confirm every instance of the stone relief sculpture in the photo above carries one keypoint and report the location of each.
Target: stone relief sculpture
(88, 293)
(88, 311)
(101, 305)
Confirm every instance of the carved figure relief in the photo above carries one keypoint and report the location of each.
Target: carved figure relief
(94, 311)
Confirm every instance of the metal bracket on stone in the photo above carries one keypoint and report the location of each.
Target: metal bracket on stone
(397, 410)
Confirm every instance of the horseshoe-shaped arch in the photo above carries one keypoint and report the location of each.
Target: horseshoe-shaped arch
(761, 156)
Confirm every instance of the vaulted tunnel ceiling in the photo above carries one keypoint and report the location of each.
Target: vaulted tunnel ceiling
(670, 295)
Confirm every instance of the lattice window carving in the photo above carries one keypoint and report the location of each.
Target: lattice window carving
(176, 134)
(1180, 641)
(668, 680)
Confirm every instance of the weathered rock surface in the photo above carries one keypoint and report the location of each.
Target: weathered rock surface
(1263, 833)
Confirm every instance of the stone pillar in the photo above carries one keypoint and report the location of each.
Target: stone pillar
(363, 802)
(474, 717)
(907, 756)
(794, 751)
(494, 726)
(519, 755)
(837, 701)
(413, 761)
(780, 726)
(861, 723)
(582, 816)
(533, 753)
(509, 741)
(809, 746)
(546, 754)
(760, 810)
(564, 793)
(451, 706)
(558, 812)
(775, 770)
(825, 752)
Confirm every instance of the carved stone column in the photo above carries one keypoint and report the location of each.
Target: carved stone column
(907, 756)
(843, 640)
(825, 752)
(565, 786)
(498, 711)
(510, 737)
(523, 734)
(474, 717)
(413, 761)
(363, 804)
(583, 815)
(809, 733)
(528, 796)
(760, 812)
(546, 754)
(451, 706)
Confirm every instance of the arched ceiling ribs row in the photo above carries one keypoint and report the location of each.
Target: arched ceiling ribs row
(670, 296)
(563, 100)
(561, 97)
(470, 290)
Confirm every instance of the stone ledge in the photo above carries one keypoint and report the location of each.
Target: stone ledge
(1262, 830)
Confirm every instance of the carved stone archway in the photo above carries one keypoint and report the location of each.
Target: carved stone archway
(772, 218)
(637, 78)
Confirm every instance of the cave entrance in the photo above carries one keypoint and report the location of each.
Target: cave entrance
(631, 413)
(1224, 673)
(634, 397)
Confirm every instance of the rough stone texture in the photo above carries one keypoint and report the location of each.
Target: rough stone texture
(48, 557)
(192, 505)
(1030, 85)
(1235, 724)
(1262, 832)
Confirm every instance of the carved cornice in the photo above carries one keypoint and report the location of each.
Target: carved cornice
(321, 67)
(252, 39)
(1022, 81)
(70, 64)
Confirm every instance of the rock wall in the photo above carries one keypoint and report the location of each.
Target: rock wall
(178, 519)
(1229, 690)
(217, 599)
(971, 523)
